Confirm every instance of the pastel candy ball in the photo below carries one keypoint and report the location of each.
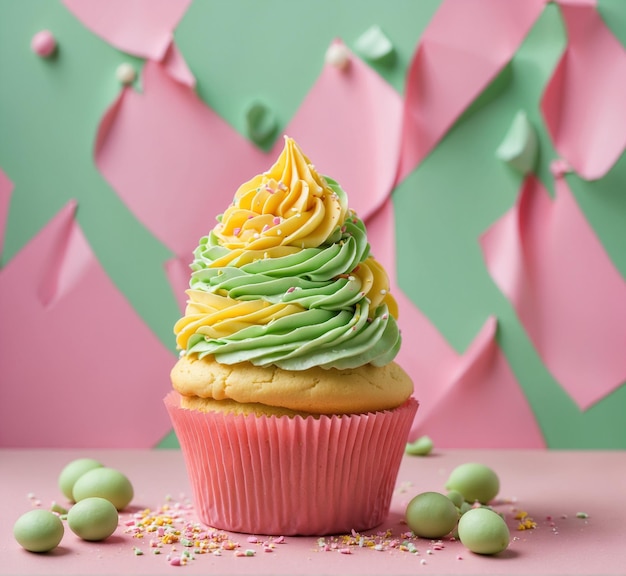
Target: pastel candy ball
(421, 447)
(38, 530)
(43, 43)
(483, 531)
(72, 472)
(431, 515)
(106, 483)
(476, 482)
(93, 519)
(456, 497)
(125, 73)
(338, 55)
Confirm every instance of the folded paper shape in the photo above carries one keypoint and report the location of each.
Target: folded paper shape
(79, 367)
(465, 399)
(361, 149)
(142, 27)
(461, 51)
(583, 104)
(519, 148)
(195, 170)
(567, 293)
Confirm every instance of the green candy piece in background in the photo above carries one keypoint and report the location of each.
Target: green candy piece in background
(476, 482)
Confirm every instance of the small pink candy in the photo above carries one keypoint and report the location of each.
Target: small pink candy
(43, 43)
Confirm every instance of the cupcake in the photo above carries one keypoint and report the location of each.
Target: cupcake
(289, 408)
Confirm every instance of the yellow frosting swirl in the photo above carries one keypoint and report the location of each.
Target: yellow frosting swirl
(286, 278)
(288, 208)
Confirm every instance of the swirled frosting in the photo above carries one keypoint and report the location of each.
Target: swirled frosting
(286, 278)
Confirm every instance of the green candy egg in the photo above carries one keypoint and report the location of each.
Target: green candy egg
(421, 447)
(38, 530)
(483, 531)
(456, 497)
(106, 483)
(93, 519)
(431, 515)
(72, 472)
(476, 482)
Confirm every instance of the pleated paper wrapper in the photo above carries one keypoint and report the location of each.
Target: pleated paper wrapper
(292, 475)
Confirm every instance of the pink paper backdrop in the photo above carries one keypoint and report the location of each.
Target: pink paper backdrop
(165, 143)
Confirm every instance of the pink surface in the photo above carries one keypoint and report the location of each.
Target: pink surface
(243, 469)
(448, 384)
(583, 104)
(141, 27)
(96, 380)
(566, 291)
(6, 188)
(551, 486)
(461, 51)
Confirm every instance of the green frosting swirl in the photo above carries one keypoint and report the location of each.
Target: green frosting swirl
(335, 329)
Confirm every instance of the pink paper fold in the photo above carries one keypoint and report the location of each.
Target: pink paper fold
(177, 187)
(292, 476)
(464, 47)
(566, 291)
(79, 367)
(465, 399)
(359, 146)
(140, 27)
(583, 105)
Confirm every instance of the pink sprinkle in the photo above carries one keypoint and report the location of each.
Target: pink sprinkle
(175, 561)
(459, 557)
(280, 540)
(265, 228)
(290, 290)
(276, 220)
(253, 539)
(345, 551)
(267, 549)
(129, 523)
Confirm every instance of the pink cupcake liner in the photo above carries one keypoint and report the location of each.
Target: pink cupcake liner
(292, 476)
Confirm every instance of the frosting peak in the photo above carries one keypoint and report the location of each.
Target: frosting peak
(289, 205)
